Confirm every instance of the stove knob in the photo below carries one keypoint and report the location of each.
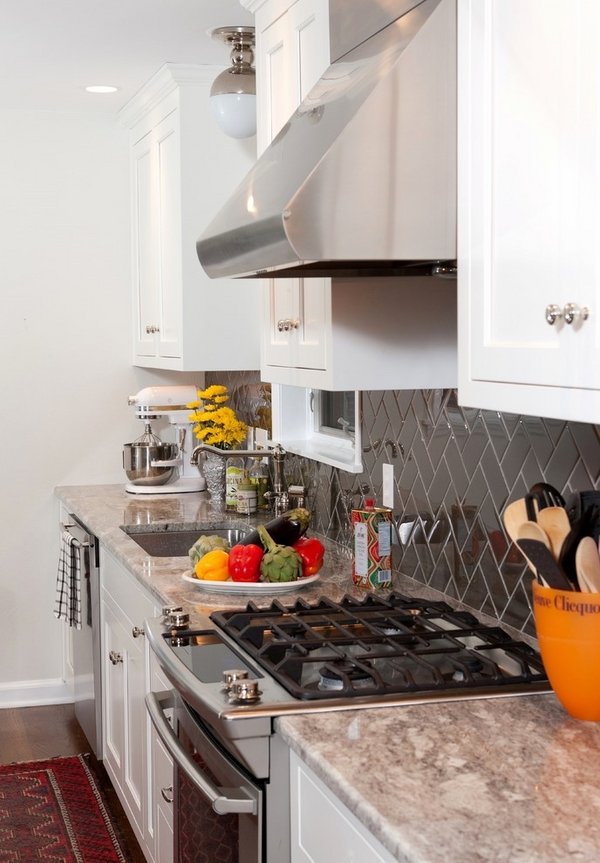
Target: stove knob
(179, 620)
(230, 676)
(168, 610)
(245, 690)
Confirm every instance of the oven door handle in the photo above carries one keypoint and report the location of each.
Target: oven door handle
(156, 703)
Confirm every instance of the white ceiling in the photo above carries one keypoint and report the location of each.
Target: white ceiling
(51, 50)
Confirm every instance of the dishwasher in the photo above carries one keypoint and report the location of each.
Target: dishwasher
(87, 675)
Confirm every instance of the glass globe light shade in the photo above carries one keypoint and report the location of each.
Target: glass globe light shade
(233, 92)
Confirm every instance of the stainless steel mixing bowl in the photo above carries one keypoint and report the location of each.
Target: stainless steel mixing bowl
(138, 458)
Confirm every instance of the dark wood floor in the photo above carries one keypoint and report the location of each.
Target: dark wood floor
(34, 733)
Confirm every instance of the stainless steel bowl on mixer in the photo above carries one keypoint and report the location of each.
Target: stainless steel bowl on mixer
(138, 458)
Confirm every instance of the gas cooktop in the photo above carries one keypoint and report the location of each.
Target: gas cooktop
(378, 647)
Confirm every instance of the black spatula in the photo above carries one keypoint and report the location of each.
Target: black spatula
(547, 568)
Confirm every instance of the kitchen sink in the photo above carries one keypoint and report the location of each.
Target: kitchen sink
(174, 541)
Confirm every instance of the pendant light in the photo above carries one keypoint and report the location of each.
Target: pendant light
(233, 93)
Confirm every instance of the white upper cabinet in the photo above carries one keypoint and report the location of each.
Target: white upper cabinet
(337, 334)
(292, 52)
(183, 169)
(528, 206)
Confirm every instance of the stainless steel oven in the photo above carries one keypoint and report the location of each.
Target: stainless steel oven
(218, 806)
(241, 668)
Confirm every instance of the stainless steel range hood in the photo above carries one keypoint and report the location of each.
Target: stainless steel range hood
(362, 178)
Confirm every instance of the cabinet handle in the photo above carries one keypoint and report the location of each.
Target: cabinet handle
(167, 793)
(553, 313)
(115, 657)
(287, 324)
(137, 631)
(572, 312)
(152, 328)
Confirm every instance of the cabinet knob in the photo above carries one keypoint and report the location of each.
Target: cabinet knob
(115, 657)
(137, 631)
(284, 325)
(572, 313)
(553, 313)
(167, 793)
(152, 328)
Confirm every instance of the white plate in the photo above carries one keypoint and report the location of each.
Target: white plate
(250, 587)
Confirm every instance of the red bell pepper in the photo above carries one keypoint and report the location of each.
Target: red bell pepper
(311, 552)
(244, 562)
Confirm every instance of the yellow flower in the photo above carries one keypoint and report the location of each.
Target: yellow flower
(211, 393)
(214, 424)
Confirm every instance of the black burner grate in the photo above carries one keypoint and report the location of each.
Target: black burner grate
(376, 646)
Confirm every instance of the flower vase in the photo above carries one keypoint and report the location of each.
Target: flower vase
(214, 474)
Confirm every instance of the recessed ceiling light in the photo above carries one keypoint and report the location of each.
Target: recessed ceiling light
(101, 88)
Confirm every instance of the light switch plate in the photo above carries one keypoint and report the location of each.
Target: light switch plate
(387, 494)
(260, 438)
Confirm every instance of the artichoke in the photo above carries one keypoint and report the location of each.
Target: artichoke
(280, 562)
(204, 544)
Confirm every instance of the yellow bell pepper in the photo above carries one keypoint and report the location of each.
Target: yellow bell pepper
(214, 566)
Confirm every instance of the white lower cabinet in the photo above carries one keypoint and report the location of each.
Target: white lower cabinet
(137, 767)
(322, 828)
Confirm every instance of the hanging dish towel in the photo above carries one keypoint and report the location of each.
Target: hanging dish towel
(68, 582)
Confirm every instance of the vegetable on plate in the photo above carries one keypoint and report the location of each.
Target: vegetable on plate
(213, 566)
(244, 562)
(204, 544)
(312, 552)
(286, 529)
(280, 562)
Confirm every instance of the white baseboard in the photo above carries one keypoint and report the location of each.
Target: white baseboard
(35, 693)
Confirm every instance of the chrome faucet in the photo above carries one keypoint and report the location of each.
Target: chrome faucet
(279, 495)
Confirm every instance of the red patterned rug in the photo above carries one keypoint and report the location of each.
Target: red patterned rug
(54, 811)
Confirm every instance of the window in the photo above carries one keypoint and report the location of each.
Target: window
(317, 424)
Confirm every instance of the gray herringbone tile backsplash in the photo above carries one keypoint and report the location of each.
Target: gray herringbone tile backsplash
(455, 469)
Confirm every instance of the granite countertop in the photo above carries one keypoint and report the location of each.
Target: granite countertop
(508, 780)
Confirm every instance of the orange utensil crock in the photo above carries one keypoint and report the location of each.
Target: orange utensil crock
(568, 631)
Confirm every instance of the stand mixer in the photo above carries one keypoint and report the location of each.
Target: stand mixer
(148, 471)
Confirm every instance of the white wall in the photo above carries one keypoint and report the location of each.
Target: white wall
(65, 370)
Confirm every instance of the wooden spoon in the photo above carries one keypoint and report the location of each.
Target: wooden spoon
(514, 516)
(532, 530)
(587, 564)
(554, 521)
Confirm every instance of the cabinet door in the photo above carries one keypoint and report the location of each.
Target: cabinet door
(274, 76)
(168, 168)
(308, 25)
(113, 693)
(157, 241)
(124, 607)
(314, 323)
(293, 53)
(529, 174)
(125, 715)
(281, 308)
(308, 29)
(145, 268)
(322, 828)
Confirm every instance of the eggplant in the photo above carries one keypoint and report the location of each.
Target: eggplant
(286, 529)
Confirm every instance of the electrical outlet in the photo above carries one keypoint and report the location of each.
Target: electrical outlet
(387, 496)
(260, 438)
